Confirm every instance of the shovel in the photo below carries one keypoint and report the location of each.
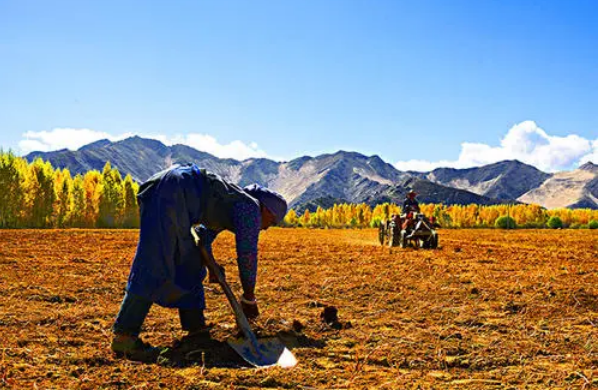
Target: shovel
(264, 352)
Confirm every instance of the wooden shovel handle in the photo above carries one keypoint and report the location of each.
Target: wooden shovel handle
(209, 261)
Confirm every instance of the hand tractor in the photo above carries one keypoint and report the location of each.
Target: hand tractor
(413, 229)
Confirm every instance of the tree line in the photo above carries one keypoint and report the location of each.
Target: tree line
(35, 195)
(449, 216)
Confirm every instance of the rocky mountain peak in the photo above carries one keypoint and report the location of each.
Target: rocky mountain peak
(589, 166)
(97, 144)
(343, 175)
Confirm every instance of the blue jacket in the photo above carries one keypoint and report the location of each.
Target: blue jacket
(167, 267)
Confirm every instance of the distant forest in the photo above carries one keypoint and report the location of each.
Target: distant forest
(449, 216)
(35, 195)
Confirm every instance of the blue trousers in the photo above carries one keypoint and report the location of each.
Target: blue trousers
(135, 308)
(167, 267)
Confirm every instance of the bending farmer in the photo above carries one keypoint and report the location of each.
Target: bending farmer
(167, 267)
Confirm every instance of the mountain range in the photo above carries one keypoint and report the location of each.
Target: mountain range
(309, 182)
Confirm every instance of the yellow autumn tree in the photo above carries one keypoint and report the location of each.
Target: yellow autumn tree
(291, 218)
(63, 202)
(12, 192)
(91, 187)
(305, 218)
(111, 198)
(40, 194)
(77, 218)
(130, 209)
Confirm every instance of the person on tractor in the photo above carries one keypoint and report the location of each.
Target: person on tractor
(410, 204)
(167, 268)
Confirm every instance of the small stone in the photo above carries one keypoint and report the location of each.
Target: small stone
(298, 326)
(329, 315)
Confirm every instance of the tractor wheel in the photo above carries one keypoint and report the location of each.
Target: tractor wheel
(392, 237)
(424, 243)
(381, 234)
(403, 239)
(434, 241)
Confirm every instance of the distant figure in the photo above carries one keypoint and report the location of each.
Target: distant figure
(167, 268)
(410, 204)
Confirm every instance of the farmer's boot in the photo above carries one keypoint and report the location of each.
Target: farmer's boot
(199, 332)
(132, 348)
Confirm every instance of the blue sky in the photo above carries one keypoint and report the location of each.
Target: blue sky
(420, 83)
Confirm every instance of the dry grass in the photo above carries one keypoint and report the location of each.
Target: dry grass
(489, 309)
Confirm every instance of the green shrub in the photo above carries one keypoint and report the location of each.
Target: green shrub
(505, 222)
(584, 226)
(593, 224)
(575, 225)
(555, 223)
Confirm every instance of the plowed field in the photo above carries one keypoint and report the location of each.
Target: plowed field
(489, 309)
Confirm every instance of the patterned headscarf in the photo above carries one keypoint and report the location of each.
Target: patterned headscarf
(272, 200)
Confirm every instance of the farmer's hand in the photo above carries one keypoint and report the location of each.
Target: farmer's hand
(249, 307)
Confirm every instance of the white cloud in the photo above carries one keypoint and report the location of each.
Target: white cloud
(592, 156)
(30, 145)
(61, 138)
(421, 165)
(525, 142)
(73, 139)
(206, 143)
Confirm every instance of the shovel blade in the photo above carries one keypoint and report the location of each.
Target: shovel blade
(272, 352)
